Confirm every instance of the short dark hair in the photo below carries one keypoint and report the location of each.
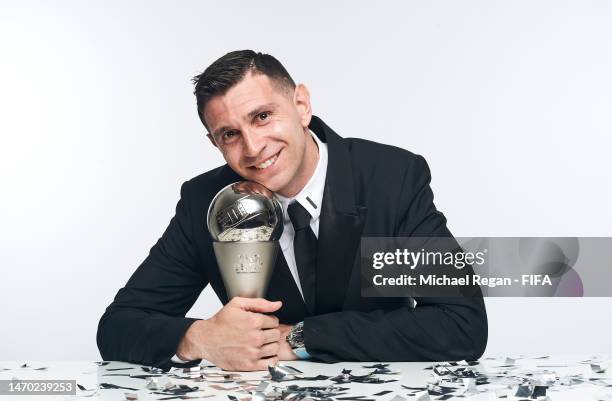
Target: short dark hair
(230, 69)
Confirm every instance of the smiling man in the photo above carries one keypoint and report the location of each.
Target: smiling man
(333, 192)
(258, 125)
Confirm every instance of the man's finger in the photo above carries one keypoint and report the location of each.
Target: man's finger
(269, 322)
(269, 350)
(271, 335)
(256, 304)
(263, 363)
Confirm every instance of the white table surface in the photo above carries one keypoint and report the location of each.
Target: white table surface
(412, 374)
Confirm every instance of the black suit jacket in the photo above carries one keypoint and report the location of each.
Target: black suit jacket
(370, 190)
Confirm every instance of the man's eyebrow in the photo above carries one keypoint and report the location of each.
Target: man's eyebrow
(249, 116)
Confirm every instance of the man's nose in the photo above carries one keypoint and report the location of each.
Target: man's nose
(253, 143)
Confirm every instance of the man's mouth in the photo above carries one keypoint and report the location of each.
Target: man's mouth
(267, 163)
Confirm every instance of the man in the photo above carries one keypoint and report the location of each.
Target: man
(333, 192)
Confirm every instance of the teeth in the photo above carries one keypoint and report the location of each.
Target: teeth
(267, 163)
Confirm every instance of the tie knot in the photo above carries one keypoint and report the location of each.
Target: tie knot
(300, 218)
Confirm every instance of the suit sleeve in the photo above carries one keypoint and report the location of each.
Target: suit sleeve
(437, 329)
(146, 321)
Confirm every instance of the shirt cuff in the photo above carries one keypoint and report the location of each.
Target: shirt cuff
(301, 353)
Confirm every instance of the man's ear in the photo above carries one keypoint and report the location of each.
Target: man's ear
(301, 100)
(212, 140)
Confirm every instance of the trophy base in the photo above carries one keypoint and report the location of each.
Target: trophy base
(246, 267)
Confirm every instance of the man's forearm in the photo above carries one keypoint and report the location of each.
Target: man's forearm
(137, 336)
(452, 330)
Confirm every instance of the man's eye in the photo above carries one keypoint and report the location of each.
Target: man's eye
(228, 136)
(262, 116)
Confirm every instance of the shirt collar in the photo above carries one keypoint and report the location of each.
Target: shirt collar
(311, 196)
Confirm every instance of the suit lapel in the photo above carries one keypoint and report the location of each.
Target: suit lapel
(339, 238)
(340, 227)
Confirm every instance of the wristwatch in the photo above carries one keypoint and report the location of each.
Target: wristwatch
(295, 338)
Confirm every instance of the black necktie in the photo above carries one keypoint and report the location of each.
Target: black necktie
(305, 248)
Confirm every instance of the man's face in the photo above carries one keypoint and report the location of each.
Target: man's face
(262, 131)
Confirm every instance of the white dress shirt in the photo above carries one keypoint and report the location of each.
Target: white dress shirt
(311, 197)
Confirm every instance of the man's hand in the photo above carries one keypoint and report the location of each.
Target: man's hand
(239, 337)
(285, 352)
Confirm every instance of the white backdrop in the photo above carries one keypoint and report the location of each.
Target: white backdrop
(510, 103)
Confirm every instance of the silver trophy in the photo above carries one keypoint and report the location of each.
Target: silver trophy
(245, 221)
